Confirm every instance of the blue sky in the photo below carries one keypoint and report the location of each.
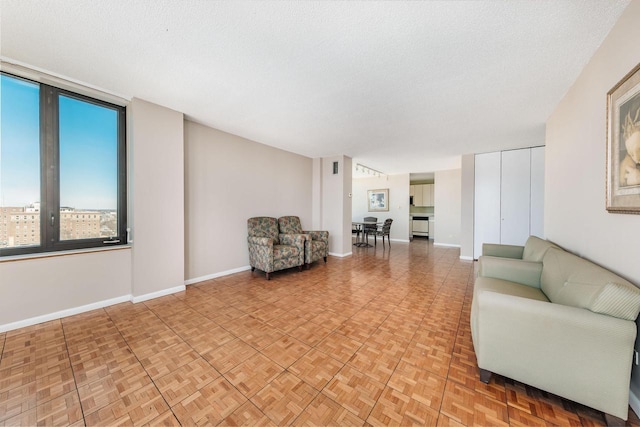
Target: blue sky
(88, 149)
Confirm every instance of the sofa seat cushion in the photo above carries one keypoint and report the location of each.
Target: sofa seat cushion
(506, 287)
(570, 280)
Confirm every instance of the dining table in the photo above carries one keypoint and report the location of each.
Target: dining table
(360, 226)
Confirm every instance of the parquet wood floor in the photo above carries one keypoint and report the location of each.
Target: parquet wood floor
(378, 338)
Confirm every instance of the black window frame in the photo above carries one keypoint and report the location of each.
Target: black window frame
(50, 175)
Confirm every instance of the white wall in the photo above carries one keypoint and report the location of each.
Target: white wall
(447, 207)
(398, 186)
(316, 194)
(347, 189)
(575, 215)
(335, 204)
(156, 198)
(31, 290)
(229, 179)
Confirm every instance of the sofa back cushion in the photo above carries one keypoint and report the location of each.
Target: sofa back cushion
(570, 280)
(535, 248)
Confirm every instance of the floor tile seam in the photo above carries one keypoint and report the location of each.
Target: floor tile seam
(73, 374)
(442, 284)
(8, 415)
(330, 355)
(165, 400)
(133, 353)
(462, 385)
(4, 342)
(385, 384)
(185, 342)
(345, 407)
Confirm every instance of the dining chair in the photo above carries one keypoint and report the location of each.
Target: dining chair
(369, 228)
(384, 230)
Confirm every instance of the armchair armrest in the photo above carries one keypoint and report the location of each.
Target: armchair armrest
(514, 270)
(261, 241)
(322, 236)
(502, 251)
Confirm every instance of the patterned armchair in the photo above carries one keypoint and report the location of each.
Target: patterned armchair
(270, 251)
(317, 244)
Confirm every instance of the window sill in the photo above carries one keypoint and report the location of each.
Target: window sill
(13, 258)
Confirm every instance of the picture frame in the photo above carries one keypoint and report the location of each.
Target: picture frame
(378, 200)
(623, 145)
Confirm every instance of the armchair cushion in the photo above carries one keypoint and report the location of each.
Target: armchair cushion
(316, 245)
(289, 225)
(263, 226)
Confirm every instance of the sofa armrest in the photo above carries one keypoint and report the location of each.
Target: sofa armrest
(502, 251)
(261, 241)
(572, 352)
(514, 270)
(322, 236)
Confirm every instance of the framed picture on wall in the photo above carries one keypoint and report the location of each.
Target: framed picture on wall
(378, 200)
(623, 145)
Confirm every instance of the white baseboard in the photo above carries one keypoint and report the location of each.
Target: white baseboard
(63, 313)
(446, 245)
(158, 294)
(340, 255)
(216, 275)
(400, 240)
(634, 402)
(466, 258)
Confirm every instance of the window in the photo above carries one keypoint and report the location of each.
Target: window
(62, 155)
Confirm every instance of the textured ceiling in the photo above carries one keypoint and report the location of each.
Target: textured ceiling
(399, 86)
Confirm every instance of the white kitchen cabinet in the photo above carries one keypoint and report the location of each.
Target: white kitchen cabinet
(427, 194)
(418, 199)
(509, 197)
(422, 194)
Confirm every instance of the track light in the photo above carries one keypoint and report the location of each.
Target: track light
(368, 170)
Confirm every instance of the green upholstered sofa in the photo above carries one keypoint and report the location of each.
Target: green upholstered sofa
(557, 322)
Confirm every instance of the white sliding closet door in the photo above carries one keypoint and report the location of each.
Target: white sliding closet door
(486, 200)
(537, 191)
(515, 197)
(509, 197)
